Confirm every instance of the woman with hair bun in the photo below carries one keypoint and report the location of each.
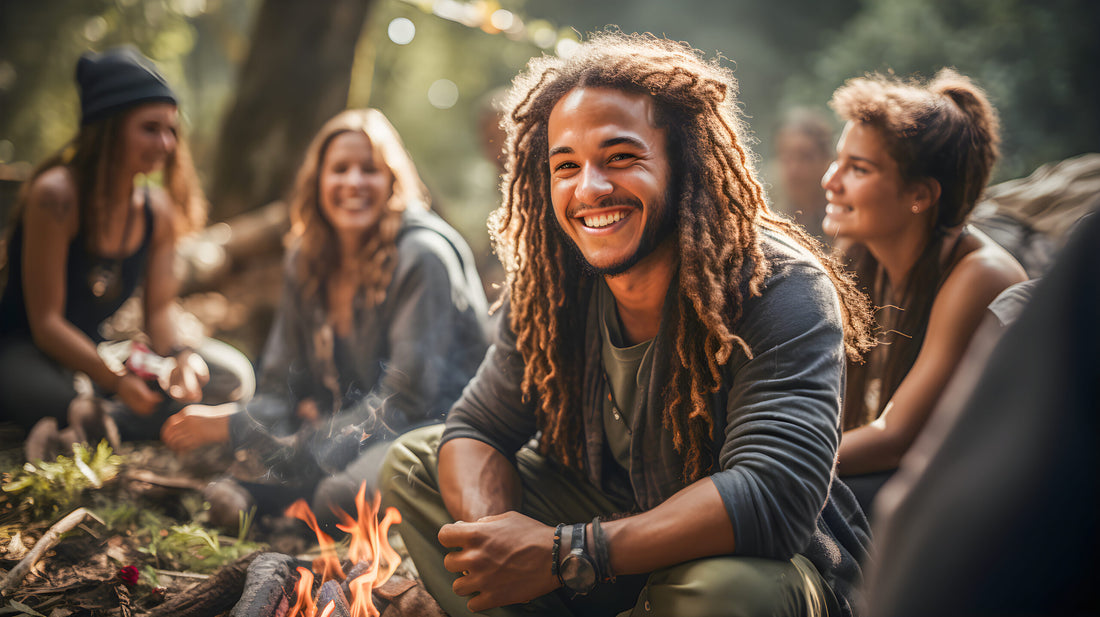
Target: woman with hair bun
(911, 163)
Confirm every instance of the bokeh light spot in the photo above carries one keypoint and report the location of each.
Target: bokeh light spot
(443, 94)
(401, 31)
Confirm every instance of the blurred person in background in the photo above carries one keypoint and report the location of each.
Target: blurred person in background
(803, 150)
(381, 324)
(911, 163)
(91, 226)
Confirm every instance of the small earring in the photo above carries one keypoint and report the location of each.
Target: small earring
(916, 210)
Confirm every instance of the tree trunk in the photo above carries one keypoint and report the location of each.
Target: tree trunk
(296, 77)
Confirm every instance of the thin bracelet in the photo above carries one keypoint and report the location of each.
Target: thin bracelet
(603, 557)
(555, 552)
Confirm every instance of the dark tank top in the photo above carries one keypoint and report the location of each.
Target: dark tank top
(83, 308)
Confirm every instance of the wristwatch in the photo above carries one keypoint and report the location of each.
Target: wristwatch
(578, 573)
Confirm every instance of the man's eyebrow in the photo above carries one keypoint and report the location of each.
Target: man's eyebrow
(607, 143)
(623, 139)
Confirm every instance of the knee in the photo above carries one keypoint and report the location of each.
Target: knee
(409, 464)
(728, 586)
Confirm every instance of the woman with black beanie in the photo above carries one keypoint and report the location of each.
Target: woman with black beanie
(89, 227)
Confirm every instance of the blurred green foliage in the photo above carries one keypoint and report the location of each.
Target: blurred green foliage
(1036, 59)
(53, 488)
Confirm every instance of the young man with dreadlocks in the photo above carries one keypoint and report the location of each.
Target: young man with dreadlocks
(679, 351)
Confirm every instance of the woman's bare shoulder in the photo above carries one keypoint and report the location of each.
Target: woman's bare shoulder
(983, 271)
(54, 193)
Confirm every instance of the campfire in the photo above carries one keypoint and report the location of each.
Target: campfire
(362, 585)
(373, 561)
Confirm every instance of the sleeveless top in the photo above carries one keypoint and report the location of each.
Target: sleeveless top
(83, 307)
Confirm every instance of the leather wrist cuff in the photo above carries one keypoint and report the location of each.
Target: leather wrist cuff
(603, 557)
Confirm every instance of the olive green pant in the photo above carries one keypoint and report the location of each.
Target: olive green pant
(727, 586)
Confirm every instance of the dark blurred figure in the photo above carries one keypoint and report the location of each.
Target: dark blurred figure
(803, 150)
(994, 510)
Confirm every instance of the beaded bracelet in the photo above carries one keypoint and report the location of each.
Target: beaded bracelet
(555, 552)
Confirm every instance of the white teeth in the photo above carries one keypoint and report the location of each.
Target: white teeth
(603, 220)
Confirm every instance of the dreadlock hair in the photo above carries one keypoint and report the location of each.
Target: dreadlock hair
(945, 130)
(313, 233)
(720, 206)
(92, 157)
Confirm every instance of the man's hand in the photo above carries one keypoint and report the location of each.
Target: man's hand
(137, 395)
(186, 380)
(197, 425)
(504, 559)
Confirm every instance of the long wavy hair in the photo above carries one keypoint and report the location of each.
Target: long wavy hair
(92, 156)
(314, 236)
(944, 129)
(721, 207)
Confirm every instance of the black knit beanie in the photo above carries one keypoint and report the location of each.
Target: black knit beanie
(115, 80)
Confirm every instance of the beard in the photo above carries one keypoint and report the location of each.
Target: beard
(657, 230)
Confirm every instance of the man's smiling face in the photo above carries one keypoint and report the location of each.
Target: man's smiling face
(609, 177)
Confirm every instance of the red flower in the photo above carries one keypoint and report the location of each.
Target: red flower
(129, 575)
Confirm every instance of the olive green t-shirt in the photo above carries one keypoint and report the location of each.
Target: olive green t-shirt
(626, 370)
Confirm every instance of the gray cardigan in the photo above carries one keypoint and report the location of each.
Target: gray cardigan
(777, 438)
(406, 360)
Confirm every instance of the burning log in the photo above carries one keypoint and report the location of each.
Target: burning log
(402, 597)
(332, 595)
(267, 588)
(213, 596)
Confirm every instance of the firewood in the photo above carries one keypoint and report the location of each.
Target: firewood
(49, 540)
(213, 596)
(268, 586)
(402, 597)
(331, 592)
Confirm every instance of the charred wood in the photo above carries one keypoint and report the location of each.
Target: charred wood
(268, 587)
(213, 596)
(332, 592)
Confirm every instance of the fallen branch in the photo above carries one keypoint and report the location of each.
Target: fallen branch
(48, 541)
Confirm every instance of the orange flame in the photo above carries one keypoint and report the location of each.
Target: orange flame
(304, 604)
(369, 545)
(329, 562)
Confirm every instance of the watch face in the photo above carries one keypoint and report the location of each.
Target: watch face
(578, 573)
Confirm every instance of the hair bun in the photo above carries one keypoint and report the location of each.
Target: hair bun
(115, 80)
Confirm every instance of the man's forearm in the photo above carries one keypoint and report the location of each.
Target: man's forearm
(691, 524)
(476, 480)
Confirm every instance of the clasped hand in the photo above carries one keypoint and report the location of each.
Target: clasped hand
(503, 559)
(187, 378)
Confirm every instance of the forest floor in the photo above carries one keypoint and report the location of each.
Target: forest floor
(139, 536)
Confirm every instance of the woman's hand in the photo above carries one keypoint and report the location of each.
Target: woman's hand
(503, 559)
(186, 380)
(137, 395)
